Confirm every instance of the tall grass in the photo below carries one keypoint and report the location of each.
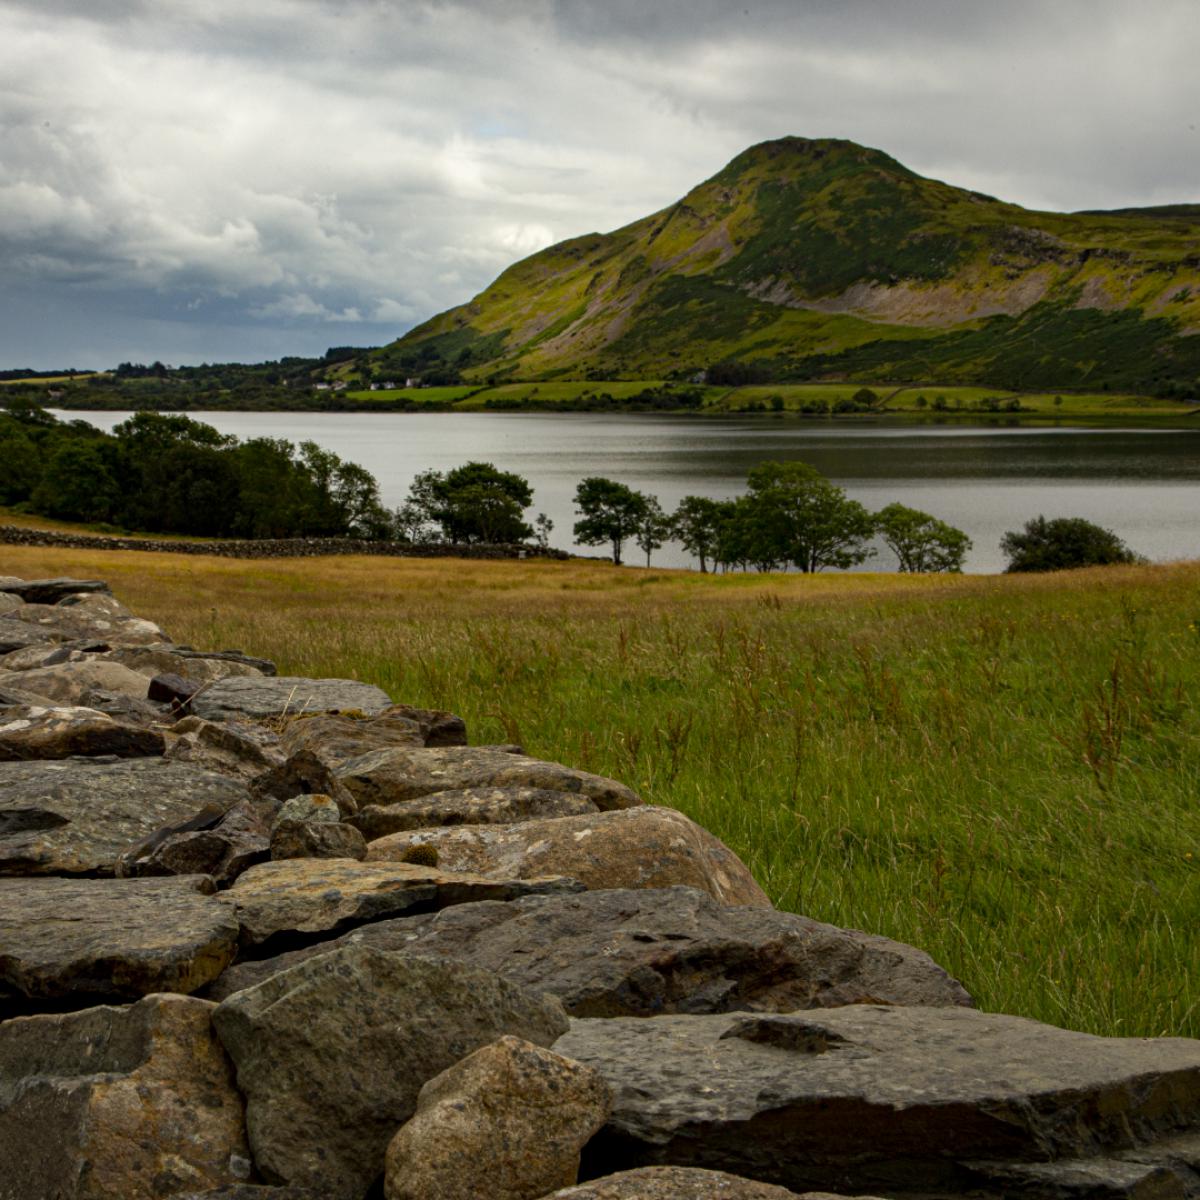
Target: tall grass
(1003, 771)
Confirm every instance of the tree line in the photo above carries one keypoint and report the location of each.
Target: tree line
(163, 473)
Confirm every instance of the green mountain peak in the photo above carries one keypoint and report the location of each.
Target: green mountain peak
(811, 258)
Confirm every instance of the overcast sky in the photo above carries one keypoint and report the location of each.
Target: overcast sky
(212, 180)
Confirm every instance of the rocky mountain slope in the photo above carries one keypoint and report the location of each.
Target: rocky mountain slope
(822, 258)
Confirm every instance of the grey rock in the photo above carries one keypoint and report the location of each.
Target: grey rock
(136, 1102)
(316, 809)
(77, 816)
(11, 697)
(681, 1183)
(386, 777)
(237, 841)
(507, 1122)
(305, 899)
(251, 696)
(124, 707)
(307, 839)
(641, 952)
(8, 602)
(647, 846)
(336, 738)
(167, 660)
(86, 938)
(262, 665)
(71, 682)
(905, 1101)
(239, 749)
(38, 732)
(44, 654)
(332, 1054)
(102, 619)
(471, 806)
(16, 635)
(51, 591)
(303, 774)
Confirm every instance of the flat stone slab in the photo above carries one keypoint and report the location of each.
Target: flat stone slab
(332, 1055)
(471, 806)
(386, 777)
(273, 696)
(307, 897)
(51, 591)
(641, 952)
(90, 938)
(903, 1101)
(71, 682)
(133, 1102)
(336, 739)
(642, 847)
(36, 732)
(77, 816)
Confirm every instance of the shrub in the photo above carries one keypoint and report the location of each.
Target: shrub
(1063, 544)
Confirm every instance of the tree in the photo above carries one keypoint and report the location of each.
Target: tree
(1063, 544)
(474, 503)
(921, 542)
(609, 512)
(793, 514)
(653, 527)
(697, 524)
(544, 525)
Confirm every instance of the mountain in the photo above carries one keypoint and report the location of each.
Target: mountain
(809, 259)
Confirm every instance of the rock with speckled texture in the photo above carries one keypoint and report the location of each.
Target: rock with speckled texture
(903, 1101)
(332, 1054)
(134, 1103)
(643, 847)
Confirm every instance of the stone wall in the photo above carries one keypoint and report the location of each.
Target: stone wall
(14, 535)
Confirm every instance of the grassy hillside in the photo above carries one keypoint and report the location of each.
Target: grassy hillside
(1002, 770)
(823, 259)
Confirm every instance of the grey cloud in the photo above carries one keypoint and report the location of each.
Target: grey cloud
(211, 176)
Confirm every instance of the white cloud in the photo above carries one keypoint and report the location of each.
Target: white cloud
(283, 169)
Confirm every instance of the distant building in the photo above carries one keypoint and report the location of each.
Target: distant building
(321, 387)
(55, 393)
(410, 382)
(340, 386)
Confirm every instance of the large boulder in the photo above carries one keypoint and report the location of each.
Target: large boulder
(8, 602)
(33, 732)
(89, 938)
(95, 618)
(16, 635)
(471, 806)
(507, 1122)
(337, 738)
(386, 777)
(51, 591)
(904, 1101)
(77, 816)
(332, 1054)
(71, 682)
(644, 847)
(681, 1183)
(296, 900)
(283, 695)
(136, 1103)
(644, 952)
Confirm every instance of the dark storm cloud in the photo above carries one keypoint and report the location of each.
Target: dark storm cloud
(208, 178)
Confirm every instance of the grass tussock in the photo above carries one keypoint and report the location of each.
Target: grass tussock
(1001, 770)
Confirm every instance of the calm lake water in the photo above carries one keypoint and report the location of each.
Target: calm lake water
(1142, 484)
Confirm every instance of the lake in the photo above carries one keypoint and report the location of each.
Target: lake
(1144, 484)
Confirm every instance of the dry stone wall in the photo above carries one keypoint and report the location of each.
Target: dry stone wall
(14, 535)
(284, 938)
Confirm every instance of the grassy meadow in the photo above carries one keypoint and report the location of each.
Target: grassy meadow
(1001, 770)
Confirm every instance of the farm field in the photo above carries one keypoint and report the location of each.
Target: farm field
(1001, 770)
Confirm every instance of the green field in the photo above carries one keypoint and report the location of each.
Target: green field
(1001, 770)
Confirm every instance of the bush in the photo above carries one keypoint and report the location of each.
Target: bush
(1063, 544)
